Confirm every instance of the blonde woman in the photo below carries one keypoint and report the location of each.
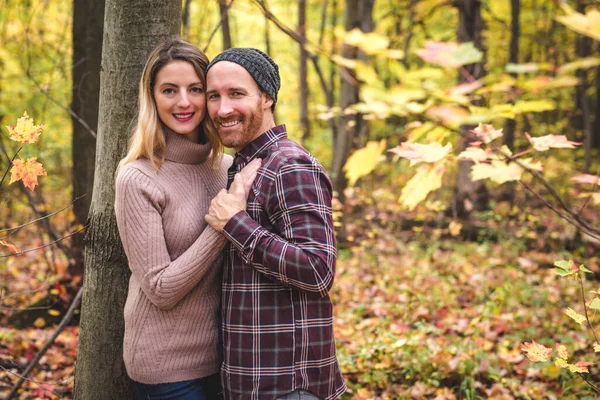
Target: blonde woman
(173, 168)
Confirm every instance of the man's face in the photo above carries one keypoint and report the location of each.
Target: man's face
(236, 105)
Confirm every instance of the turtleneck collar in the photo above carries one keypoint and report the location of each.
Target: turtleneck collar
(183, 151)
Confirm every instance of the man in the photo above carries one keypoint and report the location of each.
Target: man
(280, 262)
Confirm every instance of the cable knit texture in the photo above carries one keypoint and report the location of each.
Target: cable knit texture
(171, 313)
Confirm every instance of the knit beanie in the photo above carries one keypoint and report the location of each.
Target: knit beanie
(262, 68)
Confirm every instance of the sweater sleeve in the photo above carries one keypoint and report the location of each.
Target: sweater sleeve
(138, 207)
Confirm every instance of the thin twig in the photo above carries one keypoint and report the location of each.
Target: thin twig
(66, 319)
(16, 228)
(41, 247)
(587, 318)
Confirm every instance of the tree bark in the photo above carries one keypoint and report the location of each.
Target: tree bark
(132, 28)
(185, 19)
(224, 9)
(469, 194)
(303, 81)
(513, 57)
(88, 21)
(596, 140)
(357, 14)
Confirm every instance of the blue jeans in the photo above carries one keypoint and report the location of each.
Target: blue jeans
(299, 395)
(208, 388)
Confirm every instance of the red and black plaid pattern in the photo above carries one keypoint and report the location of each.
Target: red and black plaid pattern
(280, 265)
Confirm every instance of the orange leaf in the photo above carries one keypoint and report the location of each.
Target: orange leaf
(27, 171)
(12, 247)
(546, 142)
(25, 131)
(537, 352)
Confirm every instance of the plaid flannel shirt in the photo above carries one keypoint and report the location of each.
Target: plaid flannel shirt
(279, 267)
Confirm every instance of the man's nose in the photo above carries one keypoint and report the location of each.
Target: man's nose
(225, 107)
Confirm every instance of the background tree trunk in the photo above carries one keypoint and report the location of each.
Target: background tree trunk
(132, 29)
(303, 79)
(513, 57)
(88, 21)
(185, 19)
(469, 194)
(224, 9)
(357, 14)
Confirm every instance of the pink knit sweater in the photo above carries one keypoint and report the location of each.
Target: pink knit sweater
(171, 313)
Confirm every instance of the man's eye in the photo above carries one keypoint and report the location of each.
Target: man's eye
(237, 94)
(213, 96)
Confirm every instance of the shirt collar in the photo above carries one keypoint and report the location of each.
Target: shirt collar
(256, 147)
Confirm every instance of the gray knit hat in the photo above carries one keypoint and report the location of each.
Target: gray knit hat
(262, 68)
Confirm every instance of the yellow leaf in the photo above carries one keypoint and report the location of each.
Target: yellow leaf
(370, 43)
(427, 179)
(12, 247)
(536, 352)
(496, 171)
(39, 323)
(588, 24)
(561, 363)
(596, 348)
(25, 131)
(363, 161)
(54, 313)
(580, 319)
(562, 351)
(544, 143)
(27, 171)
(487, 133)
(454, 228)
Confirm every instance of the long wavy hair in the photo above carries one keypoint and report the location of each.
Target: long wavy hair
(147, 139)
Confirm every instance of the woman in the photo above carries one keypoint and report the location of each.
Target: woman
(173, 168)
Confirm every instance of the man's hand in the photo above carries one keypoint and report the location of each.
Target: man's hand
(228, 203)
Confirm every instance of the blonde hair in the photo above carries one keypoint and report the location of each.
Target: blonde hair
(147, 139)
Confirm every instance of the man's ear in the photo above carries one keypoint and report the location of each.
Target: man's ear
(267, 101)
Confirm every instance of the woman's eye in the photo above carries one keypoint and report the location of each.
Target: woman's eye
(168, 91)
(197, 90)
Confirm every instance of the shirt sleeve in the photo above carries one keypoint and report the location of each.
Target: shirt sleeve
(300, 249)
(165, 282)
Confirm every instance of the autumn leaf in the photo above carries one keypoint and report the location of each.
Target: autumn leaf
(547, 142)
(427, 179)
(582, 63)
(580, 367)
(522, 107)
(595, 304)
(27, 171)
(450, 54)
(586, 179)
(580, 319)
(536, 352)
(586, 24)
(497, 171)
(363, 161)
(487, 133)
(596, 348)
(417, 152)
(465, 88)
(561, 363)
(371, 43)
(476, 154)
(25, 131)
(12, 247)
(448, 114)
(522, 68)
(562, 351)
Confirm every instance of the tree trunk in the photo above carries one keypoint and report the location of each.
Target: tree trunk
(131, 30)
(357, 14)
(513, 57)
(303, 81)
(185, 19)
(596, 141)
(469, 194)
(583, 120)
(88, 21)
(224, 9)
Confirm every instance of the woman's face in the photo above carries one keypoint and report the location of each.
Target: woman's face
(180, 99)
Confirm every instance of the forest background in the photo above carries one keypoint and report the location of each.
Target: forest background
(463, 140)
